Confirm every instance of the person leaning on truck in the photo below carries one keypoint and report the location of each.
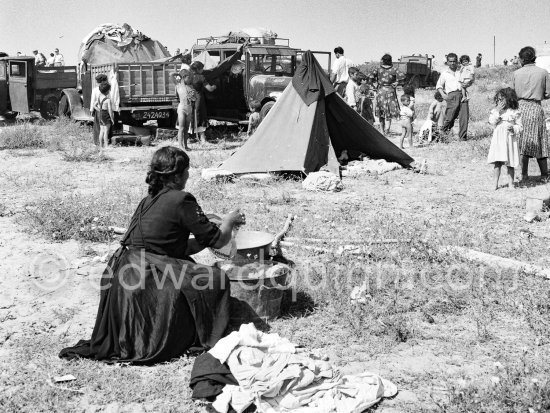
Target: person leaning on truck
(94, 106)
(39, 58)
(340, 67)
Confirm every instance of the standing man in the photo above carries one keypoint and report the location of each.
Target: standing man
(451, 90)
(58, 59)
(39, 59)
(478, 60)
(340, 67)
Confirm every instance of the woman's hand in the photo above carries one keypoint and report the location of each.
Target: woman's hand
(235, 218)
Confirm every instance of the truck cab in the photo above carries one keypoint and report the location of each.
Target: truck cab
(266, 68)
(25, 87)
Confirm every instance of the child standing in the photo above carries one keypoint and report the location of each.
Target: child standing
(466, 77)
(106, 115)
(364, 99)
(409, 90)
(430, 130)
(352, 87)
(187, 98)
(407, 117)
(504, 148)
(254, 119)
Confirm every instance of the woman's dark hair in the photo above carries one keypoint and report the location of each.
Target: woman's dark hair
(104, 87)
(527, 55)
(167, 163)
(386, 60)
(196, 66)
(102, 77)
(408, 90)
(509, 96)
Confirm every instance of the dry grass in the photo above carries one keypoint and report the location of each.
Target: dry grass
(433, 323)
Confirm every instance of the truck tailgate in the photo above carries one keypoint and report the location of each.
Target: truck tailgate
(142, 82)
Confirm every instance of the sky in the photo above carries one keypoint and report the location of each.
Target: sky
(366, 29)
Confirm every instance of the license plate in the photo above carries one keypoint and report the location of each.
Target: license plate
(151, 114)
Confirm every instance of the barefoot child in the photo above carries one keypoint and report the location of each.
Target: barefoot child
(106, 115)
(254, 119)
(466, 77)
(504, 148)
(187, 98)
(407, 117)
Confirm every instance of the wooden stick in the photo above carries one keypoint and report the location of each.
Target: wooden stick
(280, 235)
(336, 240)
(495, 261)
(349, 249)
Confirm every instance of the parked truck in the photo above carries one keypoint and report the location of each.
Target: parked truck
(25, 87)
(419, 70)
(267, 67)
(145, 91)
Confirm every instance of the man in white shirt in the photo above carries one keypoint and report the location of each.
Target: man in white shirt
(340, 67)
(451, 90)
(58, 59)
(39, 59)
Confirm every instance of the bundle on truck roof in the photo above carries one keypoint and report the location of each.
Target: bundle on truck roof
(113, 43)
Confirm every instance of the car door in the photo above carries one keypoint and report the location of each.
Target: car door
(3, 87)
(19, 85)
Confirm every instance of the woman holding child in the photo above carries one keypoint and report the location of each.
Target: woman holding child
(387, 77)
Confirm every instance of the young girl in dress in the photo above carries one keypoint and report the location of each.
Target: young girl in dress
(504, 148)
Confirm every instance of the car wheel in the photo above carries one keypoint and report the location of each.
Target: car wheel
(64, 108)
(50, 108)
(265, 109)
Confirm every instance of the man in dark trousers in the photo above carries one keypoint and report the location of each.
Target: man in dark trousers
(451, 90)
(478, 60)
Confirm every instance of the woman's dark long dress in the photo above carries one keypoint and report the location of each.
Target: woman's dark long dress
(156, 302)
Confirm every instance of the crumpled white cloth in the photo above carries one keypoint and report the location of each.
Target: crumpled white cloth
(115, 92)
(278, 376)
(372, 166)
(322, 181)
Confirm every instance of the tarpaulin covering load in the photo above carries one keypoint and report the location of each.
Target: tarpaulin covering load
(112, 43)
(308, 127)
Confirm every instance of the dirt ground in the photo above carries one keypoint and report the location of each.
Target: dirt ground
(49, 296)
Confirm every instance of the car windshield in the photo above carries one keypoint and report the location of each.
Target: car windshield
(271, 64)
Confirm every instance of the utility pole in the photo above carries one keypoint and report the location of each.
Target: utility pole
(494, 49)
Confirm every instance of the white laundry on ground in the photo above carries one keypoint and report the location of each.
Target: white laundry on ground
(278, 376)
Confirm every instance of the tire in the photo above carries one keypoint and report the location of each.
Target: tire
(265, 109)
(50, 108)
(416, 82)
(64, 108)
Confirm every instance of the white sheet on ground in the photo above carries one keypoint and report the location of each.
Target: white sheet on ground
(278, 376)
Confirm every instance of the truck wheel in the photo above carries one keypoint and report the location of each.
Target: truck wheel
(64, 108)
(416, 82)
(265, 109)
(50, 108)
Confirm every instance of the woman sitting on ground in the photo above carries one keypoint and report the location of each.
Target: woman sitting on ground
(155, 301)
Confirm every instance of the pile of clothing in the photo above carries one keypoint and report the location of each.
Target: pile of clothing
(370, 166)
(249, 367)
(322, 181)
(123, 35)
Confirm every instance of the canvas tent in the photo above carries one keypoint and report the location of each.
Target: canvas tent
(309, 125)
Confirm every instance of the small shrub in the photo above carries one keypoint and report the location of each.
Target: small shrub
(23, 136)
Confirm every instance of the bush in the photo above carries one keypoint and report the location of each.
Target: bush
(84, 217)
(22, 136)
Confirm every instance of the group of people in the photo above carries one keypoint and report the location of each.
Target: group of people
(514, 61)
(55, 58)
(357, 89)
(519, 121)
